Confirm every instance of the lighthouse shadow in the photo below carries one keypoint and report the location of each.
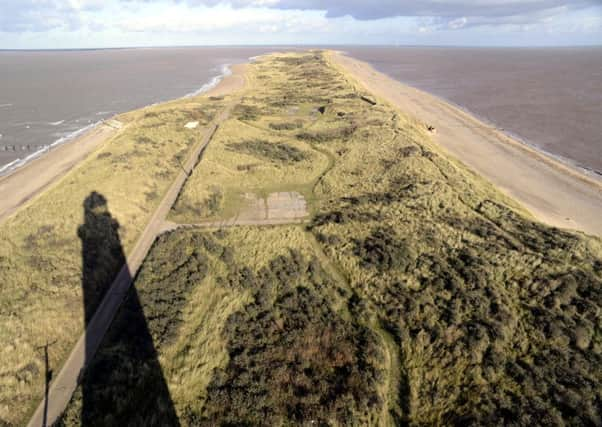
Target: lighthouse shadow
(122, 383)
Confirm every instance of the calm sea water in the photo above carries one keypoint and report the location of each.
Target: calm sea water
(550, 97)
(47, 96)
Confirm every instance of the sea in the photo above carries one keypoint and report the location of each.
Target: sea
(549, 98)
(50, 97)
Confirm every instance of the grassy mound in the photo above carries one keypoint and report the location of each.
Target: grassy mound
(279, 152)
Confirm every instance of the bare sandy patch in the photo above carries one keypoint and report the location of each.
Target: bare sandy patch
(191, 125)
(288, 205)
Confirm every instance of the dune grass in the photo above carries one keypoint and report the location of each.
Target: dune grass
(256, 150)
(418, 294)
(41, 254)
(243, 158)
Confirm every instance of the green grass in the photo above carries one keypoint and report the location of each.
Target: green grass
(418, 293)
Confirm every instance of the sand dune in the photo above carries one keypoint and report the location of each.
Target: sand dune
(552, 192)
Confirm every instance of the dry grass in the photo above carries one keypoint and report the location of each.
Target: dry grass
(40, 252)
(418, 294)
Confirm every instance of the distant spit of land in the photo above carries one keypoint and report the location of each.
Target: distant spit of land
(550, 98)
(309, 243)
(554, 192)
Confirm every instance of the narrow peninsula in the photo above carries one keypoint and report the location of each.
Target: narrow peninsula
(308, 255)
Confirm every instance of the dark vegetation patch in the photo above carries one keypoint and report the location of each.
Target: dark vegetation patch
(246, 112)
(43, 233)
(297, 61)
(516, 305)
(343, 215)
(125, 376)
(151, 195)
(202, 114)
(124, 159)
(213, 203)
(340, 133)
(533, 235)
(383, 250)
(409, 151)
(144, 140)
(249, 167)
(274, 151)
(349, 95)
(284, 101)
(207, 208)
(292, 358)
(286, 125)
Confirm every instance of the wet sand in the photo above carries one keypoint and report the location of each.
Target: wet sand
(552, 192)
(25, 183)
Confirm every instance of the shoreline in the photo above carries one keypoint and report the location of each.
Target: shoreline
(573, 165)
(588, 171)
(583, 171)
(552, 191)
(11, 167)
(24, 183)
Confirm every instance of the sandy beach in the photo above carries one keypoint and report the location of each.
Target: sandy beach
(230, 83)
(28, 181)
(25, 183)
(554, 193)
(551, 191)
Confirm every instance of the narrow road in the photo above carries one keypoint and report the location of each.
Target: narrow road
(65, 382)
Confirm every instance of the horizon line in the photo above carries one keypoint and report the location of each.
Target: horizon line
(305, 45)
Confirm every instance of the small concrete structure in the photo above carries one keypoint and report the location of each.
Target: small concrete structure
(277, 206)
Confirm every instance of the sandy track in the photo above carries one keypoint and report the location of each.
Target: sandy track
(65, 383)
(551, 191)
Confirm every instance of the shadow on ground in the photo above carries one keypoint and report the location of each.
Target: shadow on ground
(123, 383)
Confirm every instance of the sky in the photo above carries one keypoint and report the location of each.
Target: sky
(61, 24)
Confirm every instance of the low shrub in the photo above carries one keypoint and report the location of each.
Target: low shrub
(274, 151)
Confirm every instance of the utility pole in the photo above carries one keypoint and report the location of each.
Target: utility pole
(47, 378)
